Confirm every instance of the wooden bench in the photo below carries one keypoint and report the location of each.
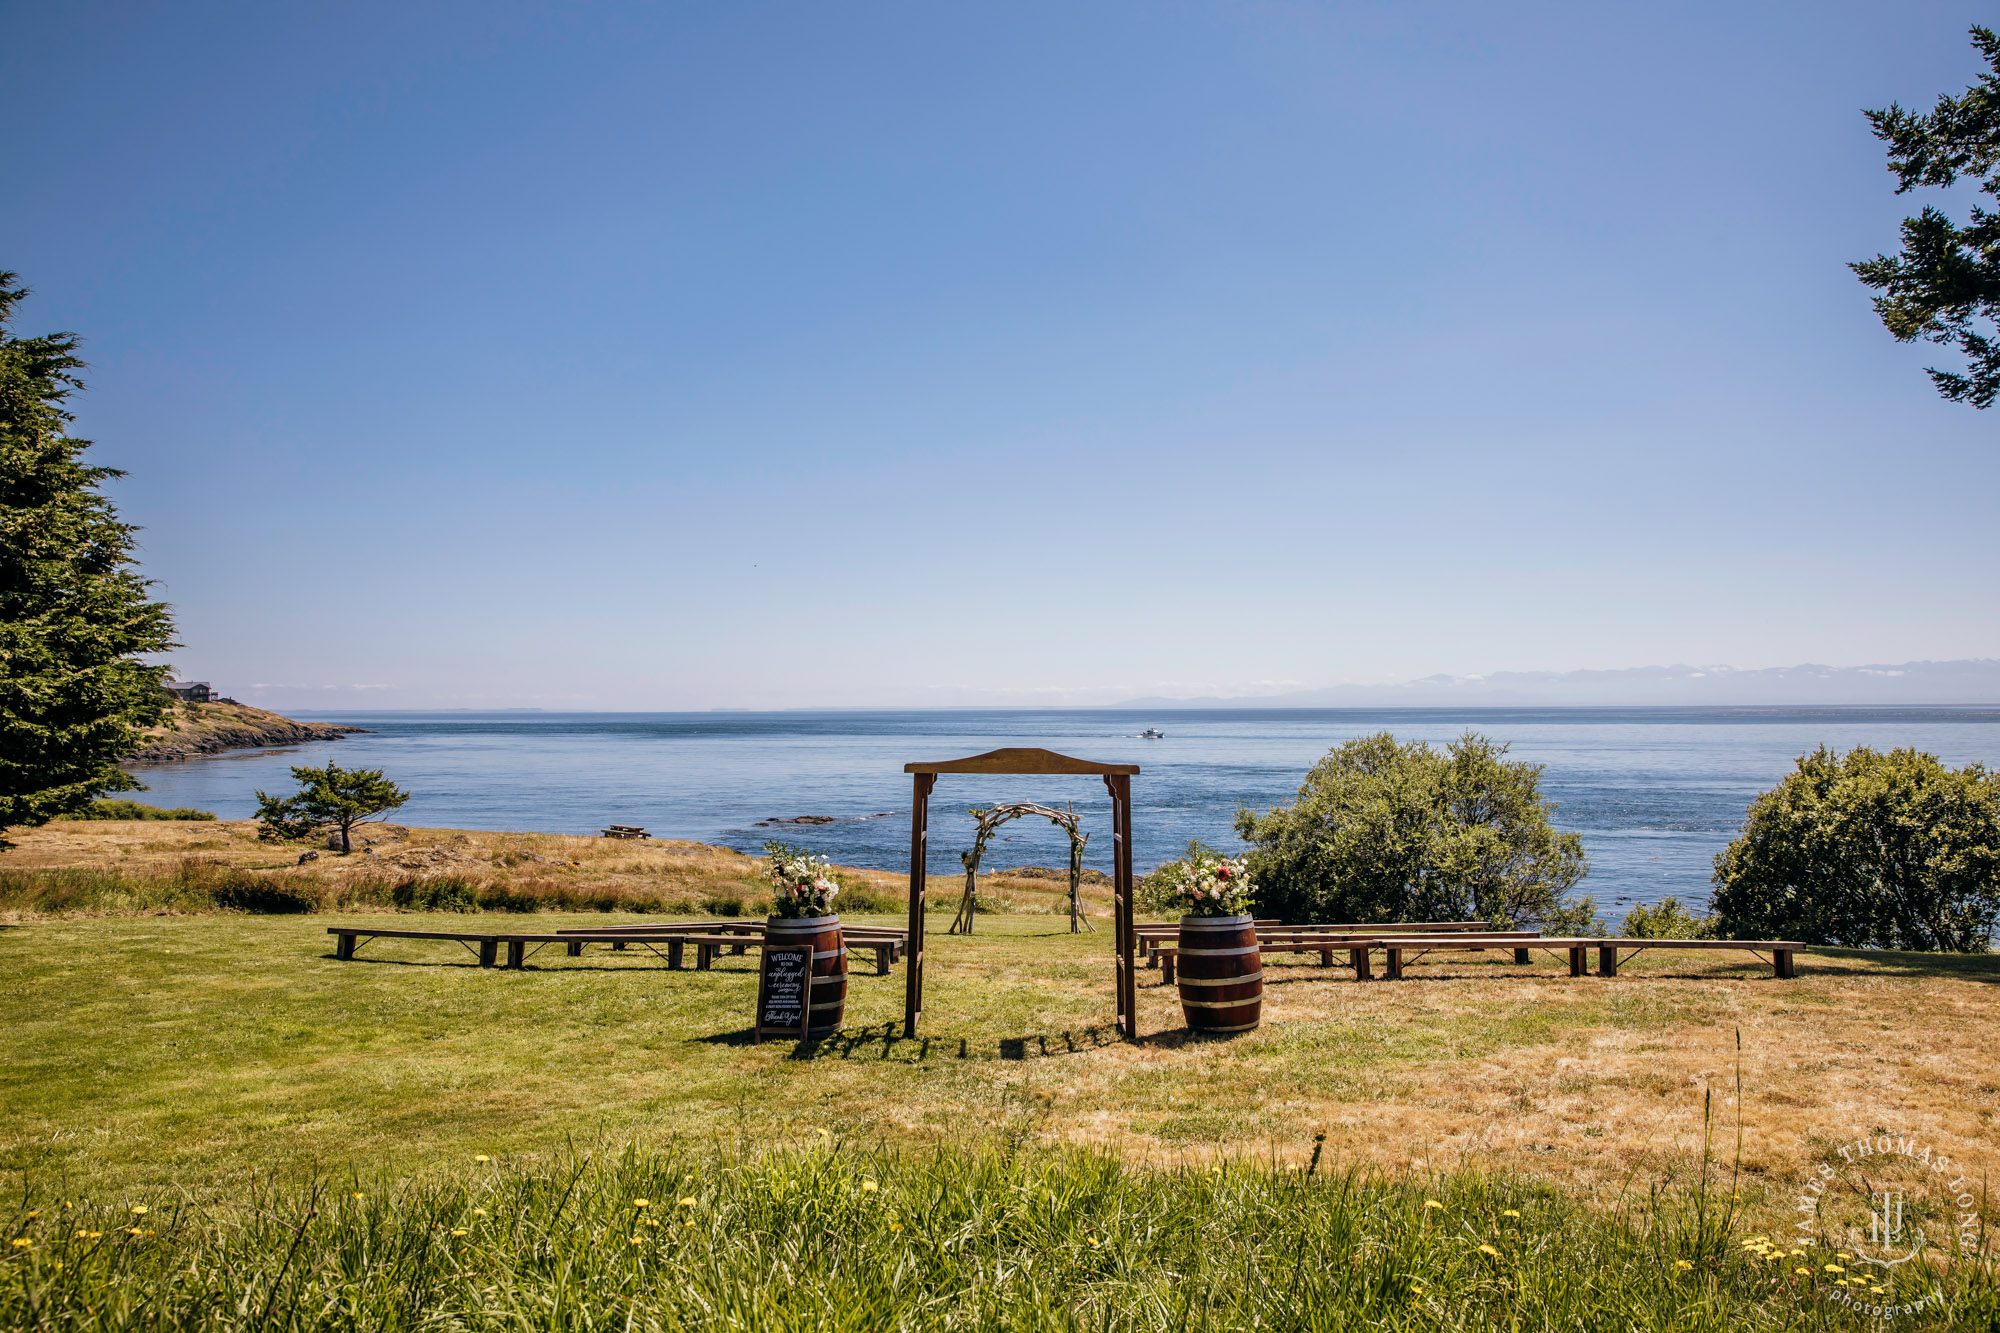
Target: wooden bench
(893, 940)
(707, 946)
(623, 831)
(1782, 952)
(1153, 937)
(1357, 946)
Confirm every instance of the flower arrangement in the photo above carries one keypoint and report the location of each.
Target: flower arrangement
(1206, 884)
(802, 883)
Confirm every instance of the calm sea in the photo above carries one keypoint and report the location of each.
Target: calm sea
(1655, 792)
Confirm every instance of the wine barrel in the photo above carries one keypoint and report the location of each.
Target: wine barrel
(1220, 973)
(829, 969)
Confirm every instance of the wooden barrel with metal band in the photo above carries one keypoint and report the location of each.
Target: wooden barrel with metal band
(1221, 973)
(829, 969)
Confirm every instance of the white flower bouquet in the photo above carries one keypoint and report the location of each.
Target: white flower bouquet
(1209, 885)
(802, 884)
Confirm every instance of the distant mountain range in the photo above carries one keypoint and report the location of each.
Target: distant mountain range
(1974, 681)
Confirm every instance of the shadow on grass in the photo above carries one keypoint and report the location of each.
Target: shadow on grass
(1899, 962)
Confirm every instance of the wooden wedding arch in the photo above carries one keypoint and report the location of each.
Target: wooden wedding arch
(1117, 779)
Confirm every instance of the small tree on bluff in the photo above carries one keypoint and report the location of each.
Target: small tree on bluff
(1870, 850)
(328, 798)
(1389, 832)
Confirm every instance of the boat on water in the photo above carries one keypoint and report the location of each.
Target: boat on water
(1152, 734)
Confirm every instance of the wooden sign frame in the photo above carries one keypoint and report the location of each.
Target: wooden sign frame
(804, 952)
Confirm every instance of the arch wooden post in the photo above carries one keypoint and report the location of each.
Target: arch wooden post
(1120, 785)
(913, 968)
(1117, 779)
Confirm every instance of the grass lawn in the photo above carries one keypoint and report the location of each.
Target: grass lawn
(1015, 1166)
(185, 1052)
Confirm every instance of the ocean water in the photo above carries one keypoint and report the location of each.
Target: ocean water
(1655, 792)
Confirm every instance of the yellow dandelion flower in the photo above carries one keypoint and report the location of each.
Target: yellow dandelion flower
(688, 1202)
(81, 1234)
(867, 1187)
(23, 1243)
(147, 1232)
(1432, 1203)
(638, 1240)
(35, 1214)
(1833, 1268)
(481, 1157)
(642, 1203)
(1802, 1272)
(130, 1231)
(1842, 1254)
(1488, 1249)
(359, 1195)
(458, 1231)
(1093, 1242)
(895, 1226)
(1510, 1212)
(1683, 1265)
(479, 1212)
(652, 1221)
(1775, 1256)
(138, 1210)
(690, 1222)
(1880, 1291)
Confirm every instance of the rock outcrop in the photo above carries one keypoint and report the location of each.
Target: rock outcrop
(194, 730)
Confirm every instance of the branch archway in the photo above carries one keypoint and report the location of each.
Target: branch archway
(990, 819)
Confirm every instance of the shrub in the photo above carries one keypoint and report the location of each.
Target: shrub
(274, 897)
(1388, 832)
(438, 893)
(109, 809)
(1871, 850)
(1668, 920)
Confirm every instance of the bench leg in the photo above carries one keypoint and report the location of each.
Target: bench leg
(1167, 968)
(881, 960)
(619, 945)
(1326, 958)
(1392, 964)
(1520, 955)
(487, 950)
(674, 963)
(345, 949)
(1577, 967)
(576, 948)
(1607, 960)
(517, 953)
(702, 954)
(1359, 957)
(736, 948)
(1781, 963)
(1152, 958)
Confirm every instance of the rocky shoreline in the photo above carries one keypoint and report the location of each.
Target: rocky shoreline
(198, 730)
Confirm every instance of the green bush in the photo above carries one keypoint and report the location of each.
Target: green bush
(1388, 832)
(273, 897)
(1869, 850)
(112, 809)
(437, 893)
(1668, 920)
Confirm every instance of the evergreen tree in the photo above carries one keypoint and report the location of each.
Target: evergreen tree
(328, 798)
(1945, 285)
(74, 612)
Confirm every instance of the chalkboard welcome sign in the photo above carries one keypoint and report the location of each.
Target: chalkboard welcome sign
(784, 992)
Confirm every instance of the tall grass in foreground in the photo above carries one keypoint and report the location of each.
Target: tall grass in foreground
(825, 1237)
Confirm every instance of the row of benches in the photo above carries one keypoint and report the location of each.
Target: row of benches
(1399, 949)
(669, 941)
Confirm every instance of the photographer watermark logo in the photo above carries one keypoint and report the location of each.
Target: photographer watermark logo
(1877, 1203)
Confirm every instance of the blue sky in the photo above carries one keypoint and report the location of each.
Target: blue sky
(676, 356)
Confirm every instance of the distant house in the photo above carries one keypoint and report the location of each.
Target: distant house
(194, 691)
